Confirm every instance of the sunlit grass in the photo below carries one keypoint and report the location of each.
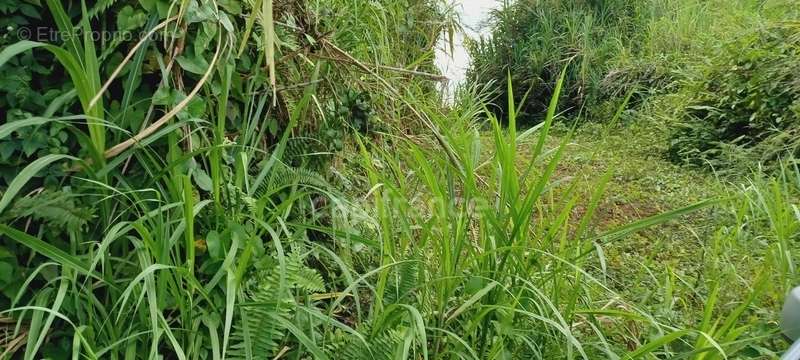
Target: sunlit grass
(447, 234)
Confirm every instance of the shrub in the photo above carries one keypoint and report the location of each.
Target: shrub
(533, 40)
(168, 212)
(748, 97)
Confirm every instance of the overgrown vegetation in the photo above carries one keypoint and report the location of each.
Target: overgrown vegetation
(747, 96)
(280, 179)
(533, 40)
(646, 48)
(692, 82)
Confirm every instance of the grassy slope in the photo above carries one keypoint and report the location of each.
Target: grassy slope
(667, 269)
(703, 271)
(644, 184)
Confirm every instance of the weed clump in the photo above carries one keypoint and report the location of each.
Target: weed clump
(533, 40)
(747, 98)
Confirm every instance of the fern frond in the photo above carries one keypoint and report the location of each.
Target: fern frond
(258, 334)
(100, 7)
(309, 280)
(403, 281)
(284, 176)
(55, 208)
(382, 346)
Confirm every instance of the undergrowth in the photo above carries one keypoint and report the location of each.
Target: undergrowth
(279, 179)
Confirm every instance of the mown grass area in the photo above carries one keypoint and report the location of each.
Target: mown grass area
(644, 183)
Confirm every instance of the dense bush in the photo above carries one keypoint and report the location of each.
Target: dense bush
(166, 164)
(532, 40)
(613, 48)
(746, 97)
(248, 185)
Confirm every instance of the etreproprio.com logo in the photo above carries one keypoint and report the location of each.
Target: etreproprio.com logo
(51, 35)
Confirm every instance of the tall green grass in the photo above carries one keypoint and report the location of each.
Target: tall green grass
(533, 40)
(429, 241)
(618, 47)
(191, 232)
(491, 264)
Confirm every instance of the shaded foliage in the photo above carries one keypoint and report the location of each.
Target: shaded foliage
(531, 41)
(747, 96)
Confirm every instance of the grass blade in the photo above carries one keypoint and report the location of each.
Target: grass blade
(26, 175)
(47, 250)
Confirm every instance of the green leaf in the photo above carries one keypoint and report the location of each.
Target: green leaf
(160, 6)
(199, 13)
(214, 244)
(472, 300)
(655, 220)
(7, 148)
(130, 19)
(202, 179)
(84, 82)
(226, 21)
(8, 129)
(47, 250)
(164, 96)
(655, 344)
(6, 273)
(301, 337)
(71, 39)
(192, 64)
(40, 331)
(196, 107)
(16, 49)
(26, 174)
(33, 143)
(232, 7)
